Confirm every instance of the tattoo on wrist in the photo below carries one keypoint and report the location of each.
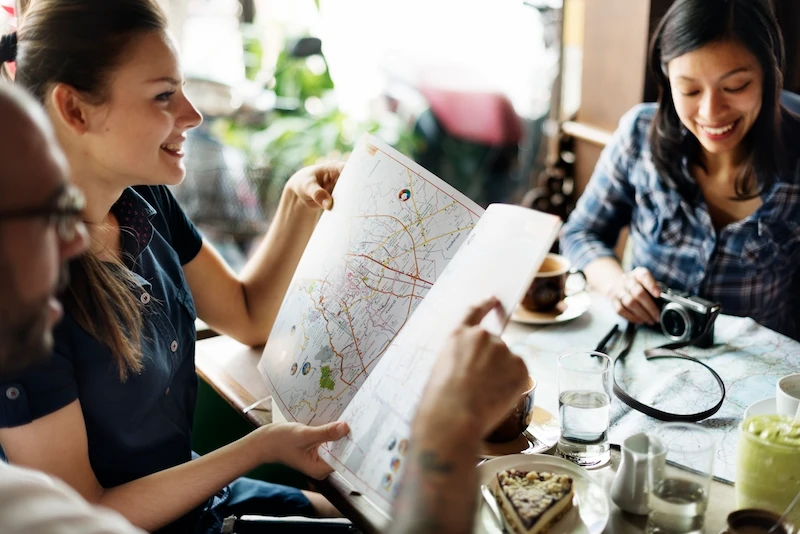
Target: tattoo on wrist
(424, 506)
(429, 462)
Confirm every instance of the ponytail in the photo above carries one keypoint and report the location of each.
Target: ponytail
(100, 299)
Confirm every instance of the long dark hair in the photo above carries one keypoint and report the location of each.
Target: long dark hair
(692, 24)
(79, 43)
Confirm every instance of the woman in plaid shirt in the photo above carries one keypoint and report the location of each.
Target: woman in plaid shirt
(708, 178)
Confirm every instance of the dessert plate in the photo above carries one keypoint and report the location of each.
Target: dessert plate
(763, 407)
(541, 436)
(568, 309)
(590, 511)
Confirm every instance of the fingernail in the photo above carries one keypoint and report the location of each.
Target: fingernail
(326, 203)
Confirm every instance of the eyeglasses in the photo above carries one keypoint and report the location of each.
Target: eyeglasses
(64, 212)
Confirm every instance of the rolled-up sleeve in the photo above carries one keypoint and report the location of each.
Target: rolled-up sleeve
(605, 207)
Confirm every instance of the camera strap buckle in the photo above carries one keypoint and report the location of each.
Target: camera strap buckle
(664, 352)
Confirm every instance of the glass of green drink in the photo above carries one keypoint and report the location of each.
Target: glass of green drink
(768, 464)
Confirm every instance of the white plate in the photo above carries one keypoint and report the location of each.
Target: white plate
(568, 309)
(763, 407)
(590, 511)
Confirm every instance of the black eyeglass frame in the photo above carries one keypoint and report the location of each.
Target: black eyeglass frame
(64, 211)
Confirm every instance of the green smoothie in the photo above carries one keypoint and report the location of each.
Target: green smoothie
(768, 464)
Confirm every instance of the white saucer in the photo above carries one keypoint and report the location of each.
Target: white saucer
(541, 436)
(568, 309)
(763, 407)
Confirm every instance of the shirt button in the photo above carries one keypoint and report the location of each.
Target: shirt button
(166, 392)
(12, 393)
(173, 346)
(145, 298)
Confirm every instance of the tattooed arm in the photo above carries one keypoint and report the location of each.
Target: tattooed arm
(438, 490)
(473, 385)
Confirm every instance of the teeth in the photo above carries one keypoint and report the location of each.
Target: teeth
(171, 147)
(719, 131)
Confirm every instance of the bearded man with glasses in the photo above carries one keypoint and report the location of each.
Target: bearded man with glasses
(32, 230)
(40, 230)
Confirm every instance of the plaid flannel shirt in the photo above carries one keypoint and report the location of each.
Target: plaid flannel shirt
(749, 266)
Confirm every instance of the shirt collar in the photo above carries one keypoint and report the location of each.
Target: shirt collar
(133, 215)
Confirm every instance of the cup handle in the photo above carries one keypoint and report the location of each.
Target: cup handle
(576, 272)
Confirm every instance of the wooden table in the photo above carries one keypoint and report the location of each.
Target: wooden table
(230, 368)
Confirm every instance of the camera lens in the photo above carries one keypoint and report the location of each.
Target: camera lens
(676, 322)
(673, 324)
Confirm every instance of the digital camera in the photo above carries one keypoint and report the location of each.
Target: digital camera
(686, 318)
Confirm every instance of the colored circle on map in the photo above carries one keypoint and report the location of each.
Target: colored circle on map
(395, 464)
(294, 369)
(306, 368)
(392, 443)
(402, 447)
(404, 194)
(386, 481)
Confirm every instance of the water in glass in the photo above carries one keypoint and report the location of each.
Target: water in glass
(584, 426)
(677, 506)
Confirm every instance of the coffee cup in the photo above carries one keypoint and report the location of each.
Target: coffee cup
(549, 286)
(787, 394)
(517, 419)
(755, 521)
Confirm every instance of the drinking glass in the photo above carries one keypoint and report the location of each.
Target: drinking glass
(678, 501)
(768, 464)
(584, 407)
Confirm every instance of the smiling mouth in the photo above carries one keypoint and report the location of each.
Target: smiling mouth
(721, 130)
(174, 149)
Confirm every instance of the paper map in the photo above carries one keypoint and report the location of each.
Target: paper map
(748, 357)
(375, 296)
(371, 260)
(499, 258)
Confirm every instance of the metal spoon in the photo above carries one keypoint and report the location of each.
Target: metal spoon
(785, 514)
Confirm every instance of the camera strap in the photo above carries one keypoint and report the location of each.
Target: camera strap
(664, 352)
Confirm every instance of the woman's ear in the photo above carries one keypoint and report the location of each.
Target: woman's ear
(69, 109)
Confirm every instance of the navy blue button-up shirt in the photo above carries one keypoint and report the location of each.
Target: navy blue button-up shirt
(143, 425)
(749, 266)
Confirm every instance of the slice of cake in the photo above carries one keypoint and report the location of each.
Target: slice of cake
(533, 501)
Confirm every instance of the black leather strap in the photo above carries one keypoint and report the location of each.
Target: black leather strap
(664, 352)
